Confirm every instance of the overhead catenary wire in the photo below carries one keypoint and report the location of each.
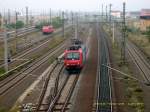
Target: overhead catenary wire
(127, 75)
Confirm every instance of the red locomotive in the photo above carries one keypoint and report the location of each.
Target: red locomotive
(75, 56)
(47, 29)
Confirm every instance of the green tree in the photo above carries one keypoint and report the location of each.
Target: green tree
(57, 22)
(17, 25)
(41, 24)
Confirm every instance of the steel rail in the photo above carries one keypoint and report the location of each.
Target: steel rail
(104, 91)
(46, 85)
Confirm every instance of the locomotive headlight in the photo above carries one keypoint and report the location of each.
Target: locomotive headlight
(67, 64)
(78, 63)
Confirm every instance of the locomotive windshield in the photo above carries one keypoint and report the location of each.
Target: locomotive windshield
(73, 56)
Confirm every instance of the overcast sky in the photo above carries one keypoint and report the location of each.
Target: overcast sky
(75, 5)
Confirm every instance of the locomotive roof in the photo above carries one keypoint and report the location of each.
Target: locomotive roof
(74, 47)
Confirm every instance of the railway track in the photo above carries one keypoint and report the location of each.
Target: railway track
(49, 88)
(61, 100)
(57, 90)
(12, 81)
(21, 55)
(104, 91)
(139, 60)
(20, 32)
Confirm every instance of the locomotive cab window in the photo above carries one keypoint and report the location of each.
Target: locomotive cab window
(71, 56)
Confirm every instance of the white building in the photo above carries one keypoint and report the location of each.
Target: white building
(116, 14)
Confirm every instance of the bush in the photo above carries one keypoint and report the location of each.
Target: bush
(17, 25)
(57, 22)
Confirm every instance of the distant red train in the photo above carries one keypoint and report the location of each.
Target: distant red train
(47, 29)
(75, 56)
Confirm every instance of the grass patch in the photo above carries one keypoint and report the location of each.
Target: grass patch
(56, 41)
(2, 71)
(14, 70)
(16, 108)
(2, 109)
(52, 59)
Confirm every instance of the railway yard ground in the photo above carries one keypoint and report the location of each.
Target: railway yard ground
(104, 84)
(141, 41)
